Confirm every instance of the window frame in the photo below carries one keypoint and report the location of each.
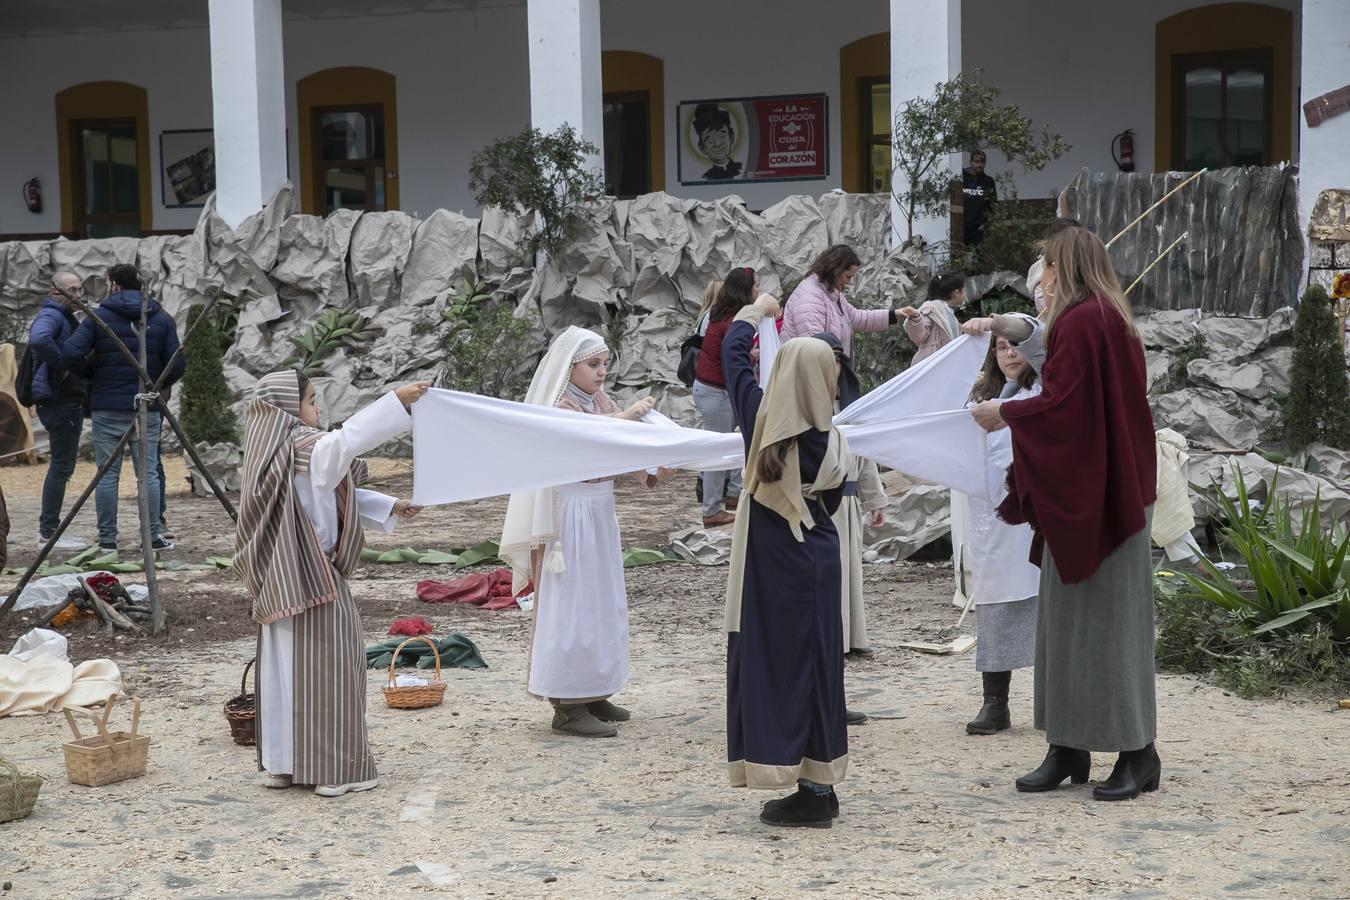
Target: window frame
(1260, 58)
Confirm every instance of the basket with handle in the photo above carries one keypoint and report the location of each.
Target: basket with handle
(108, 756)
(241, 712)
(418, 696)
(18, 792)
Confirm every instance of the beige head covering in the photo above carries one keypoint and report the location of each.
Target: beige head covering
(532, 516)
(798, 398)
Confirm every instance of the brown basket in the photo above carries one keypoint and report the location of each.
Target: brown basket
(108, 756)
(18, 792)
(415, 696)
(241, 712)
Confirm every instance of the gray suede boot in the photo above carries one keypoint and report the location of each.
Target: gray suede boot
(576, 720)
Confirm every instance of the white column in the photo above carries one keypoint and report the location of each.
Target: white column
(925, 50)
(248, 97)
(565, 84)
(1324, 151)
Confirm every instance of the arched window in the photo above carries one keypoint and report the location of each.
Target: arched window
(635, 122)
(865, 113)
(103, 145)
(348, 122)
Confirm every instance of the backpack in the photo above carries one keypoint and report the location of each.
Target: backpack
(689, 351)
(23, 378)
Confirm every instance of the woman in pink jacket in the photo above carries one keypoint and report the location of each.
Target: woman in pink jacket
(818, 303)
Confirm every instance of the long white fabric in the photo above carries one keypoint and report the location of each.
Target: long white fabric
(467, 447)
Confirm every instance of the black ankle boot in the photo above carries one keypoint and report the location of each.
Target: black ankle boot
(1135, 771)
(804, 809)
(1060, 763)
(994, 714)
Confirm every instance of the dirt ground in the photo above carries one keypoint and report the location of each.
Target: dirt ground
(478, 798)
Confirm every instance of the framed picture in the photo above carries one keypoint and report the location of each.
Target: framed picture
(188, 166)
(742, 139)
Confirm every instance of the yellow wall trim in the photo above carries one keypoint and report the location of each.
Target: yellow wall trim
(103, 100)
(1216, 28)
(868, 57)
(345, 86)
(628, 70)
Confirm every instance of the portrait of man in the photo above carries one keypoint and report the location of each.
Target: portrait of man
(716, 139)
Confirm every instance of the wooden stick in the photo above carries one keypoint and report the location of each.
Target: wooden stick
(115, 617)
(1143, 214)
(1160, 258)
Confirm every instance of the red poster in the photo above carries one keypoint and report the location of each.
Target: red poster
(753, 139)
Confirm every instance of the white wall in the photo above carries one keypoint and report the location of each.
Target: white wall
(714, 49)
(1085, 68)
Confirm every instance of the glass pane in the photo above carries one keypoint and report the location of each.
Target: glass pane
(1246, 118)
(881, 110)
(112, 229)
(125, 193)
(613, 131)
(376, 120)
(345, 188)
(342, 135)
(627, 154)
(95, 170)
(1203, 99)
(377, 176)
(880, 169)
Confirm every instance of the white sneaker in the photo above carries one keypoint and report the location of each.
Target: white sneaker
(277, 781)
(337, 790)
(67, 544)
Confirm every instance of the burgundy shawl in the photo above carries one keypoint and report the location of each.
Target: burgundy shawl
(1084, 466)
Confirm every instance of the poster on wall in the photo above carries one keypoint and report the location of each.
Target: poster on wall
(188, 163)
(745, 139)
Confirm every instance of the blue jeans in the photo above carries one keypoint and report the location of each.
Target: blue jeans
(714, 408)
(108, 428)
(163, 487)
(63, 424)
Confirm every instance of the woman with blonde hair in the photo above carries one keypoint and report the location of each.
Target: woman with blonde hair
(1084, 477)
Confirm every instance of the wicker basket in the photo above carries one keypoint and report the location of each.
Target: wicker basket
(241, 713)
(415, 696)
(18, 792)
(108, 756)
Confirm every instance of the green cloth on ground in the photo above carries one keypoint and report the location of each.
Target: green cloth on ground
(457, 652)
(641, 556)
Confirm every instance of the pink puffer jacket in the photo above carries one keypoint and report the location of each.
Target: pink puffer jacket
(812, 309)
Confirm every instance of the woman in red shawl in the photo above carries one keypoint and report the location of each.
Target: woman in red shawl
(1083, 475)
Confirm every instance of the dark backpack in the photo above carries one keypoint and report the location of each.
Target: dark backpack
(689, 351)
(23, 378)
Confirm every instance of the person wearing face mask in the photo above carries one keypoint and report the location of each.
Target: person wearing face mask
(298, 540)
(933, 325)
(818, 303)
(566, 539)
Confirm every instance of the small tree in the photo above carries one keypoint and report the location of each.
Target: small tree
(1319, 392)
(545, 173)
(961, 115)
(204, 406)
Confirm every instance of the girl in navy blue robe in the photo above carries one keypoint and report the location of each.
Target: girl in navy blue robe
(785, 675)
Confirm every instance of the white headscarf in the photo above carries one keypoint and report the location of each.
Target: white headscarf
(532, 516)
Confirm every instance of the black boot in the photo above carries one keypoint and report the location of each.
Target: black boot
(1135, 771)
(804, 809)
(852, 717)
(1060, 763)
(994, 714)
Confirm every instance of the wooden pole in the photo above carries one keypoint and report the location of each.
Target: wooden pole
(1169, 249)
(146, 396)
(1145, 213)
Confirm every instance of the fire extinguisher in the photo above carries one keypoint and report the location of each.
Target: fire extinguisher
(1122, 150)
(32, 195)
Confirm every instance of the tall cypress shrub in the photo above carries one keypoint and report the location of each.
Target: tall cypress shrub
(205, 404)
(1319, 391)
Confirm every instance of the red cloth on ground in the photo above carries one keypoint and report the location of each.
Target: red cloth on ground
(491, 590)
(1084, 464)
(411, 626)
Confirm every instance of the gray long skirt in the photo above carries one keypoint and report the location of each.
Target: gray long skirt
(1094, 653)
(1005, 635)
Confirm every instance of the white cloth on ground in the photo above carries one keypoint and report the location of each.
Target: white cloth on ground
(48, 683)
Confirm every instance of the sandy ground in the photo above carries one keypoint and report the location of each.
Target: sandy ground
(478, 798)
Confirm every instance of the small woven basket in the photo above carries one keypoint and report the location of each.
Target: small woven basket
(415, 696)
(18, 792)
(109, 756)
(241, 713)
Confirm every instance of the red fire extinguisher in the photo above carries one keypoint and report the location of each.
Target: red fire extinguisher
(1122, 150)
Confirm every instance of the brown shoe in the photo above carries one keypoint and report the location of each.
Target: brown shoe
(577, 721)
(718, 520)
(732, 502)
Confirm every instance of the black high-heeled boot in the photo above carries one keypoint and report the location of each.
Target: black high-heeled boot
(994, 714)
(1136, 771)
(1059, 763)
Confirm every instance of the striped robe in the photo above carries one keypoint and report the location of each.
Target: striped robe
(311, 670)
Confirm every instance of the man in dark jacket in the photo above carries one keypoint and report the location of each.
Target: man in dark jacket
(59, 396)
(114, 386)
(980, 192)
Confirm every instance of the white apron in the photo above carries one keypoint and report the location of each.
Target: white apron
(579, 650)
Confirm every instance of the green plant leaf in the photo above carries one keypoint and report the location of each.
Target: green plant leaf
(1298, 613)
(437, 558)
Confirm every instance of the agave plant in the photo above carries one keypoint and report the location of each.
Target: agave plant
(332, 330)
(465, 308)
(1297, 567)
